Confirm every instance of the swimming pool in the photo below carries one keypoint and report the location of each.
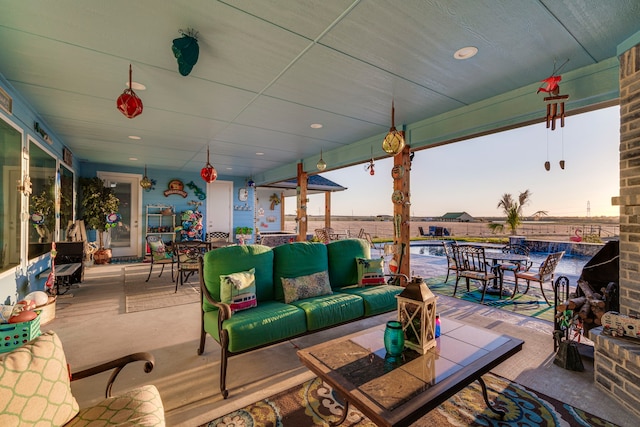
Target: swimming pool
(570, 265)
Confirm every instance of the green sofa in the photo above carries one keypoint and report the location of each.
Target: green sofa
(274, 320)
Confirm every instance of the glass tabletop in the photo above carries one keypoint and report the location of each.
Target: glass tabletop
(362, 363)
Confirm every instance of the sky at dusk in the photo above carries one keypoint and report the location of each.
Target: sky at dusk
(473, 175)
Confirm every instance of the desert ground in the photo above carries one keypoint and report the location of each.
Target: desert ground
(557, 229)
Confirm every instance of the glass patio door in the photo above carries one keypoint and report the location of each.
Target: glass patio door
(125, 239)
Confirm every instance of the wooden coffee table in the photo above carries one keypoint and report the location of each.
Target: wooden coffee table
(397, 392)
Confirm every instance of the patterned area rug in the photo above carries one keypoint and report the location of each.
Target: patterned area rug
(158, 292)
(532, 304)
(315, 404)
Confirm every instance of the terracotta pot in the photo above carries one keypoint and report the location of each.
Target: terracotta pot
(102, 256)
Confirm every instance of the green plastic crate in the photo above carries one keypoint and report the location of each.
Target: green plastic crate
(15, 335)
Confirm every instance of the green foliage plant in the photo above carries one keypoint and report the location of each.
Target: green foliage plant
(97, 201)
(513, 210)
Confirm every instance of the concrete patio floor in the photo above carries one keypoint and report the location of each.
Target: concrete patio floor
(94, 327)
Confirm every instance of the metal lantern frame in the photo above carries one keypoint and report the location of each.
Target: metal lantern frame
(145, 182)
(417, 313)
(321, 165)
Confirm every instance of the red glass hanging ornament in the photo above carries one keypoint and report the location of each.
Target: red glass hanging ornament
(208, 173)
(128, 103)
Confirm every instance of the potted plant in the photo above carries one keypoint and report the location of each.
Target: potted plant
(244, 233)
(99, 212)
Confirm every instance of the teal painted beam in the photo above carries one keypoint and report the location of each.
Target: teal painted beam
(628, 43)
(587, 86)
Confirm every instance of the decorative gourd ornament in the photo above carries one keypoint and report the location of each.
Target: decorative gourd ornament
(186, 51)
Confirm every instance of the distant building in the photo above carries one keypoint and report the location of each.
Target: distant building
(457, 217)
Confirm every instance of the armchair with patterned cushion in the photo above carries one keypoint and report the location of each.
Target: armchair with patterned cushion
(160, 254)
(35, 390)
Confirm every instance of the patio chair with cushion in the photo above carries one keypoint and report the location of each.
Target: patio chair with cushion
(217, 236)
(160, 254)
(35, 390)
(515, 266)
(451, 260)
(322, 235)
(544, 274)
(472, 264)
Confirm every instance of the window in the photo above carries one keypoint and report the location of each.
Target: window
(42, 209)
(11, 155)
(66, 201)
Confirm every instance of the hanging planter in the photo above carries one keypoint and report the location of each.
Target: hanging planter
(129, 103)
(208, 173)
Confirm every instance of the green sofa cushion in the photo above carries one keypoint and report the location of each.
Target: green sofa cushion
(377, 299)
(329, 310)
(269, 322)
(342, 256)
(295, 260)
(233, 259)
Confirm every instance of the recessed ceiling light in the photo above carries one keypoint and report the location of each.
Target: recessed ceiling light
(134, 137)
(259, 153)
(229, 168)
(316, 126)
(133, 158)
(466, 52)
(136, 86)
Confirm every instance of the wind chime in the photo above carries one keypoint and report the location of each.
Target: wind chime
(370, 166)
(555, 107)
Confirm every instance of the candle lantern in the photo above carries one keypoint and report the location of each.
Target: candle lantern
(417, 313)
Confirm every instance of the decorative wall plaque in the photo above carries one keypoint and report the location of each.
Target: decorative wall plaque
(67, 156)
(6, 103)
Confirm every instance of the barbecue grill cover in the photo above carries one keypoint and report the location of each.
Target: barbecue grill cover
(604, 267)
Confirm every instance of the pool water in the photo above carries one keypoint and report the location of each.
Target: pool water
(570, 265)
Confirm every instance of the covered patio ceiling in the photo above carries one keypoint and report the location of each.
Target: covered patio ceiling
(269, 69)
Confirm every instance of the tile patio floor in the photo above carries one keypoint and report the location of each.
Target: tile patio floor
(94, 327)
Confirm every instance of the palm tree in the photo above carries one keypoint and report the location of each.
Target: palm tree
(513, 211)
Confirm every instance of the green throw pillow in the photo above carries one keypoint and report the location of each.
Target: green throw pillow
(370, 271)
(302, 287)
(239, 289)
(159, 250)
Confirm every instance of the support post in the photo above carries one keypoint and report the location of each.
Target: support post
(402, 210)
(301, 212)
(327, 209)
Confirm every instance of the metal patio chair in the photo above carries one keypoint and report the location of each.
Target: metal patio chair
(160, 254)
(472, 265)
(544, 274)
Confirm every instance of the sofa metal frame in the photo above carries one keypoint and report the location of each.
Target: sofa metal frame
(224, 313)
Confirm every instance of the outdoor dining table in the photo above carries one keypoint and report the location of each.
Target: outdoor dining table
(496, 257)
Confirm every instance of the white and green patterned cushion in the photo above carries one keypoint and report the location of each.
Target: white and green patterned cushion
(302, 287)
(139, 407)
(35, 386)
